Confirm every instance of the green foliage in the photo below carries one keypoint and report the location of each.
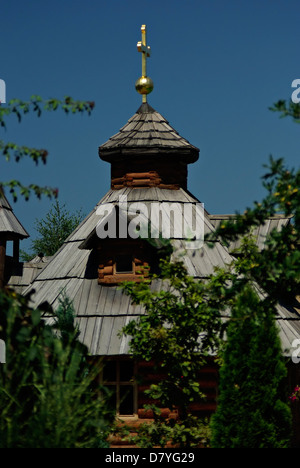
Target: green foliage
(276, 268)
(168, 335)
(252, 411)
(65, 319)
(252, 407)
(58, 224)
(11, 150)
(16, 187)
(48, 395)
(37, 105)
(287, 110)
(192, 433)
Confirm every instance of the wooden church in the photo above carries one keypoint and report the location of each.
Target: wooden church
(149, 164)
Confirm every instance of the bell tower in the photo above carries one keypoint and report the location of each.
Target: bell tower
(147, 151)
(149, 163)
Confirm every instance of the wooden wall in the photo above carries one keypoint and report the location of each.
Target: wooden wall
(163, 173)
(208, 380)
(142, 254)
(107, 273)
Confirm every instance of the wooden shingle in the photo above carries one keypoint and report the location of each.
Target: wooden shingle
(147, 129)
(10, 226)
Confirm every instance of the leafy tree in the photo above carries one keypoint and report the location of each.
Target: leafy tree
(11, 150)
(168, 335)
(276, 268)
(48, 397)
(54, 230)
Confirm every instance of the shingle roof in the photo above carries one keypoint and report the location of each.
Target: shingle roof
(147, 129)
(260, 233)
(102, 311)
(9, 224)
(23, 274)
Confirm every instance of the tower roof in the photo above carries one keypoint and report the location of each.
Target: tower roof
(147, 131)
(10, 226)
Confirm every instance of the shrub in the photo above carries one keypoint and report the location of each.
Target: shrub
(48, 397)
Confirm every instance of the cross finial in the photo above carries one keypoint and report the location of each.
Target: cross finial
(144, 85)
(145, 49)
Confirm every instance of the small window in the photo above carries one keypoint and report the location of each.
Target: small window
(126, 405)
(126, 371)
(118, 378)
(124, 264)
(110, 372)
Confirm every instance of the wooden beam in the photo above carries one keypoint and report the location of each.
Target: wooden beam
(16, 250)
(2, 262)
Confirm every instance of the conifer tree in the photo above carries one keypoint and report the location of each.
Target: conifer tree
(53, 230)
(252, 412)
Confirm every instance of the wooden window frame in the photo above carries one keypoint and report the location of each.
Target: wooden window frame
(142, 259)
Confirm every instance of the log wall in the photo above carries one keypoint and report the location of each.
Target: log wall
(142, 257)
(162, 173)
(208, 380)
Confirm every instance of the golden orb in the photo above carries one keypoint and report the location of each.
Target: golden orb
(144, 85)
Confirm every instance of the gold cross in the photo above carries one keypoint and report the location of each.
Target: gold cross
(145, 49)
(144, 85)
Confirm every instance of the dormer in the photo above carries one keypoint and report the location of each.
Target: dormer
(120, 260)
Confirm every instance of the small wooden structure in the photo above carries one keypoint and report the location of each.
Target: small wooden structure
(11, 230)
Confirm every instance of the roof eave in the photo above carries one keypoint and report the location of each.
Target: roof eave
(190, 154)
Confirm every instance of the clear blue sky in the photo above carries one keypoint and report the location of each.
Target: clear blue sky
(216, 65)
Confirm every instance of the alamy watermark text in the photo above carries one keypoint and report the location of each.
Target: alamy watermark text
(2, 92)
(167, 220)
